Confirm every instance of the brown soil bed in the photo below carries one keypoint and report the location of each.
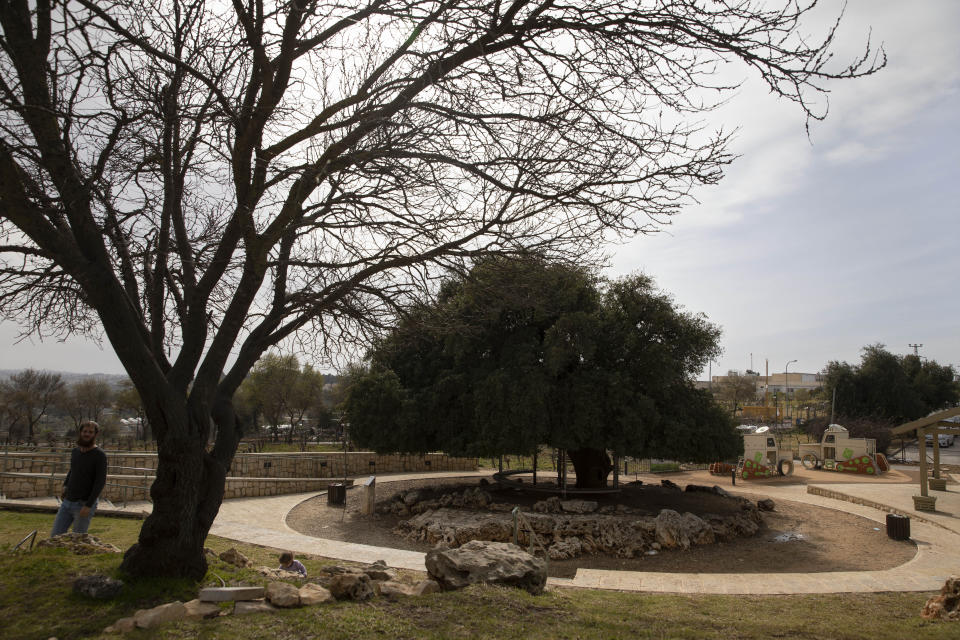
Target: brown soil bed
(817, 539)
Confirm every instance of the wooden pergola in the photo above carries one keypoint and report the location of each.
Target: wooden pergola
(934, 424)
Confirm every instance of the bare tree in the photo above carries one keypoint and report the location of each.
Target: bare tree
(736, 390)
(86, 399)
(199, 179)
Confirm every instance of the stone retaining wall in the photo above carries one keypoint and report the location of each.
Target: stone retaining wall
(837, 495)
(132, 488)
(259, 465)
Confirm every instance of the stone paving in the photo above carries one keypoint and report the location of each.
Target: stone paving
(937, 536)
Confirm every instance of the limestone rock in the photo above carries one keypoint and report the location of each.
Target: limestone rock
(352, 586)
(765, 505)
(379, 571)
(123, 625)
(425, 587)
(578, 506)
(394, 589)
(226, 594)
(252, 606)
(283, 594)
(487, 562)
(550, 505)
(945, 606)
(150, 618)
(200, 609)
(565, 548)
(98, 586)
(311, 594)
(674, 530)
(234, 557)
(411, 498)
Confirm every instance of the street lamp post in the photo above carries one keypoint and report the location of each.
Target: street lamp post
(786, 387)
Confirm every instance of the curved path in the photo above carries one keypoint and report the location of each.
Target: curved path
(937, 536)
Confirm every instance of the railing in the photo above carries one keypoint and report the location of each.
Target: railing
(520, 523)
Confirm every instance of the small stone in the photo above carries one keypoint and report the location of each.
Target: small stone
(311, 594)
(766, 504)
(234, 557)
(352, 586)
(425, 587)
(283, 594)
(226, 594)
(394, 589)
(199, 609)
(170, 612)
(123, 625)
(98, 586)
(252, 606)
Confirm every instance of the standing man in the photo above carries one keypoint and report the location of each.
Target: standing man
(83, 484)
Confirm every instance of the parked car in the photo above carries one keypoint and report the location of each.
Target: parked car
(946, 439)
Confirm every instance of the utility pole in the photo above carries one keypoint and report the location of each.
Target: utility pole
(915, 347)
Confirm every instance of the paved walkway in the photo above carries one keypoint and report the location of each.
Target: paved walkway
(937, 536)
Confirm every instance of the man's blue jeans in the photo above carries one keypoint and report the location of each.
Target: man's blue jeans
(68, 514)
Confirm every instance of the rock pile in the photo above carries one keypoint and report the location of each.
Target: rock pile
(574, 527)
(333, 583)
(945, 606)
(79, 543)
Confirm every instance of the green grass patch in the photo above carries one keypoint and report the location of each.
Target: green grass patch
(37, 602)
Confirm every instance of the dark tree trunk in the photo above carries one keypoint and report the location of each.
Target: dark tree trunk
(592, 467)
(186, 496)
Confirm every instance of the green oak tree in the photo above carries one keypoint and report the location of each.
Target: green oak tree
(889, 387)
(522, 352)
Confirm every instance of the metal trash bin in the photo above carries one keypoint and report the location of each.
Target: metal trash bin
(336, 493)
(898, 527)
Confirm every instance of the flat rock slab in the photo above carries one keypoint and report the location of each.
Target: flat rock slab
(254, 606)
(226, 594)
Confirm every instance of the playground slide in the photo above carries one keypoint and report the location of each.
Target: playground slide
(882, 463)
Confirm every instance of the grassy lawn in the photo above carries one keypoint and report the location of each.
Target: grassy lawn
(37, 602)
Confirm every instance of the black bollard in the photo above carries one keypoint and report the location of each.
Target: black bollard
(733, 477)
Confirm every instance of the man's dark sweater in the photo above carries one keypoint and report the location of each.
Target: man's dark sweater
(87, 475)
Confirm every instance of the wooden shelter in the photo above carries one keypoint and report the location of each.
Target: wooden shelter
(934, 424)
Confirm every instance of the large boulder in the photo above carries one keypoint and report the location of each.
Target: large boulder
(98, 586)
(486, 562)
(945, 606)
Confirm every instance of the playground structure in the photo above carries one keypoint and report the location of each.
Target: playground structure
(762, 456)
(837, 451)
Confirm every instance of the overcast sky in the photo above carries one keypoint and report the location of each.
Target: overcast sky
(811, 247)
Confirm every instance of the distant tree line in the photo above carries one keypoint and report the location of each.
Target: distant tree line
(883, 391)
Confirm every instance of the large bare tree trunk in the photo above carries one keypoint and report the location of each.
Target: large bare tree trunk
(186, 494)
(592, 467)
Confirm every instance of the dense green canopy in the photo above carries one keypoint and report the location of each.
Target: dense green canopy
(890, 387)
(522, 352)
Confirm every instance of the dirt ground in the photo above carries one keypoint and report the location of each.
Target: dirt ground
(794, 538)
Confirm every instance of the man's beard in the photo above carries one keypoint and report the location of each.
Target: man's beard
(85, 442)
